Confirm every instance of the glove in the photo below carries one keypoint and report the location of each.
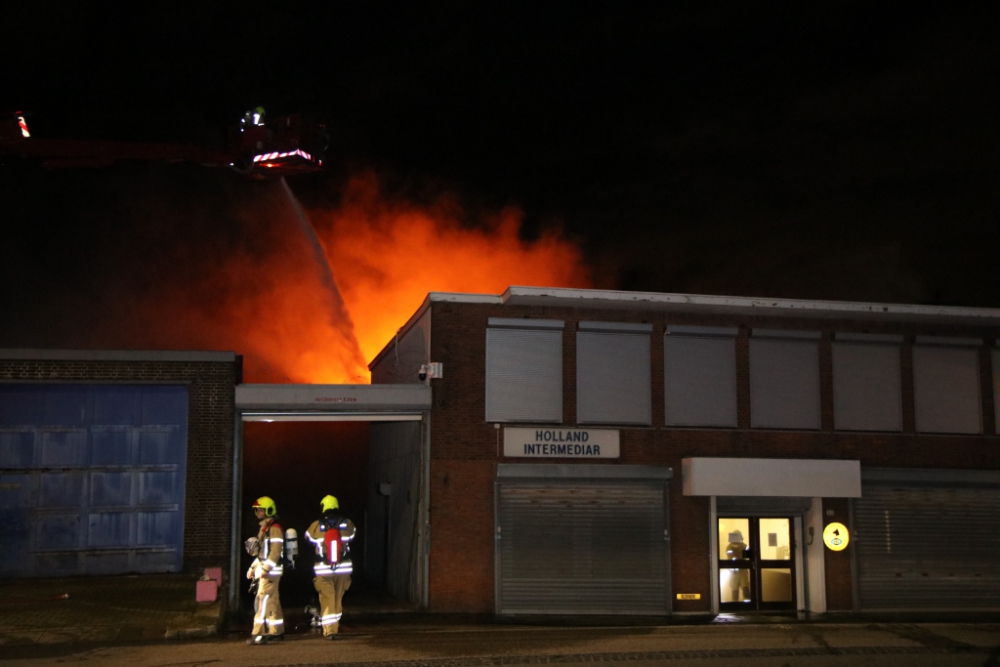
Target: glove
(258, 572)
(250, 573)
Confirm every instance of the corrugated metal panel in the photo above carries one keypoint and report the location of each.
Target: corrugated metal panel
(613, 378)
(784, 384)
(946, 389)
(93, 479)
(582, 547)
(391, 555)
(523, 375)
(699, 380)
(927, 547)
(866, 387)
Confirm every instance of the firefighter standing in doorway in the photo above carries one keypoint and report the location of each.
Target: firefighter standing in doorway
(331, 534)
(267, 549)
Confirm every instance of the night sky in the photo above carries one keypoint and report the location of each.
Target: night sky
(822, 150)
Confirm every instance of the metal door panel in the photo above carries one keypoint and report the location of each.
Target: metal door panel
(15, 520)
(66, 405)
(110, 489)
(55, 532)
(156, 527)
(163, 406)
(62, 489)
(64, 449)
(17, 449)
(117, 407)
(93, 478)
(160, 445)
(157, 488)
(111, 447)
(21, 404)
(109, 529)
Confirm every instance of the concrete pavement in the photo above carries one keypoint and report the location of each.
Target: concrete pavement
(153, 621)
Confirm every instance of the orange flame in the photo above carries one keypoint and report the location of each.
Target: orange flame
(388, 255)
(268, 300)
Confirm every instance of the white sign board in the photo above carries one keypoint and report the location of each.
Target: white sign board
(569, 443)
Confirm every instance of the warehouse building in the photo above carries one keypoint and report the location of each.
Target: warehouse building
(594, 452)
(557, 451)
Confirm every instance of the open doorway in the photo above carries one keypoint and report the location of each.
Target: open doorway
(297, 463)
(364, 444)
(373, 468)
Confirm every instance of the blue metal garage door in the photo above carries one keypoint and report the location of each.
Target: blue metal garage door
(91, 478)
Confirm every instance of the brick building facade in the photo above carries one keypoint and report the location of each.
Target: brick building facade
(887, 437)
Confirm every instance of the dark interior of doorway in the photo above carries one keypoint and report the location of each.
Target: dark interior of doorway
(296, 464)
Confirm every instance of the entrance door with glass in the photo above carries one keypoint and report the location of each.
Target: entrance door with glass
(756, 564)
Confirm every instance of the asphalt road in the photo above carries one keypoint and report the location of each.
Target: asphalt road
(779, 645)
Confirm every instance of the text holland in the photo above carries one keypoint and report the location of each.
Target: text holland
(562, 436)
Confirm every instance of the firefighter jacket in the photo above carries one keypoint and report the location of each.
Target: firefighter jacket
(332, 555)
(272, 545)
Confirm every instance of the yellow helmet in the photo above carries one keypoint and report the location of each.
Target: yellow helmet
(329, 503)
(266, 504)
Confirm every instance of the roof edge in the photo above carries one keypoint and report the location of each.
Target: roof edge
(27, 354)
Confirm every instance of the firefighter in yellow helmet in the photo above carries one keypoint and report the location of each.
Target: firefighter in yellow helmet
(331, 534)
(268, 552)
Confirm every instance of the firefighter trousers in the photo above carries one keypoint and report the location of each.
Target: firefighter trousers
(267, 619)
(331, 594)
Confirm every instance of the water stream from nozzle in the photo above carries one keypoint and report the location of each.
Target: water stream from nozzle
(340, 317)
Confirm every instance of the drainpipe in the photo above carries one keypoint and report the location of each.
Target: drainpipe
(234, 549)
(425, 519)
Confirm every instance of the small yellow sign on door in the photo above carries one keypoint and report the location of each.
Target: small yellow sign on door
(689, 596)
(835, 536)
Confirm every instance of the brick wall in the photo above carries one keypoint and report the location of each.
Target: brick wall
(464, 447)
(211, 412)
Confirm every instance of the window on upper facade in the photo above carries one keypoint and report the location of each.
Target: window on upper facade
(699, 375)
(784, 379)
(613, 373)
(946, 395)
(866, 387)
(524, 370)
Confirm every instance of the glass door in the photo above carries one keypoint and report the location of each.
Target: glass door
(756, 568)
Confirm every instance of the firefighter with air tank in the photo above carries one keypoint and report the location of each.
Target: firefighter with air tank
(267, 548)
(331, 534)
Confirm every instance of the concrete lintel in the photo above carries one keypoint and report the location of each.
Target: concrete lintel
(808, 478)
(333, 398)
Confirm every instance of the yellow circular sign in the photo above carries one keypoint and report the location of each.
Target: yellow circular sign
(835, 536)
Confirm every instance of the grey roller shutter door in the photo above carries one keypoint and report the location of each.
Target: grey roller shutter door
(784, 384)
(700, 381)
(927, 547)
(866, 387)
(523, 375)
(946, 389)
(613, 378)
(582, 548)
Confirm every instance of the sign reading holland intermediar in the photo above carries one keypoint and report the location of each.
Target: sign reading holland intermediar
(576, 443)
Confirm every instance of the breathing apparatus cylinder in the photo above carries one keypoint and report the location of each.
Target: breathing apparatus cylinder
(291, 546)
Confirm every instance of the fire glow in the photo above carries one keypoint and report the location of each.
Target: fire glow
(267, 298)
(387, 256)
